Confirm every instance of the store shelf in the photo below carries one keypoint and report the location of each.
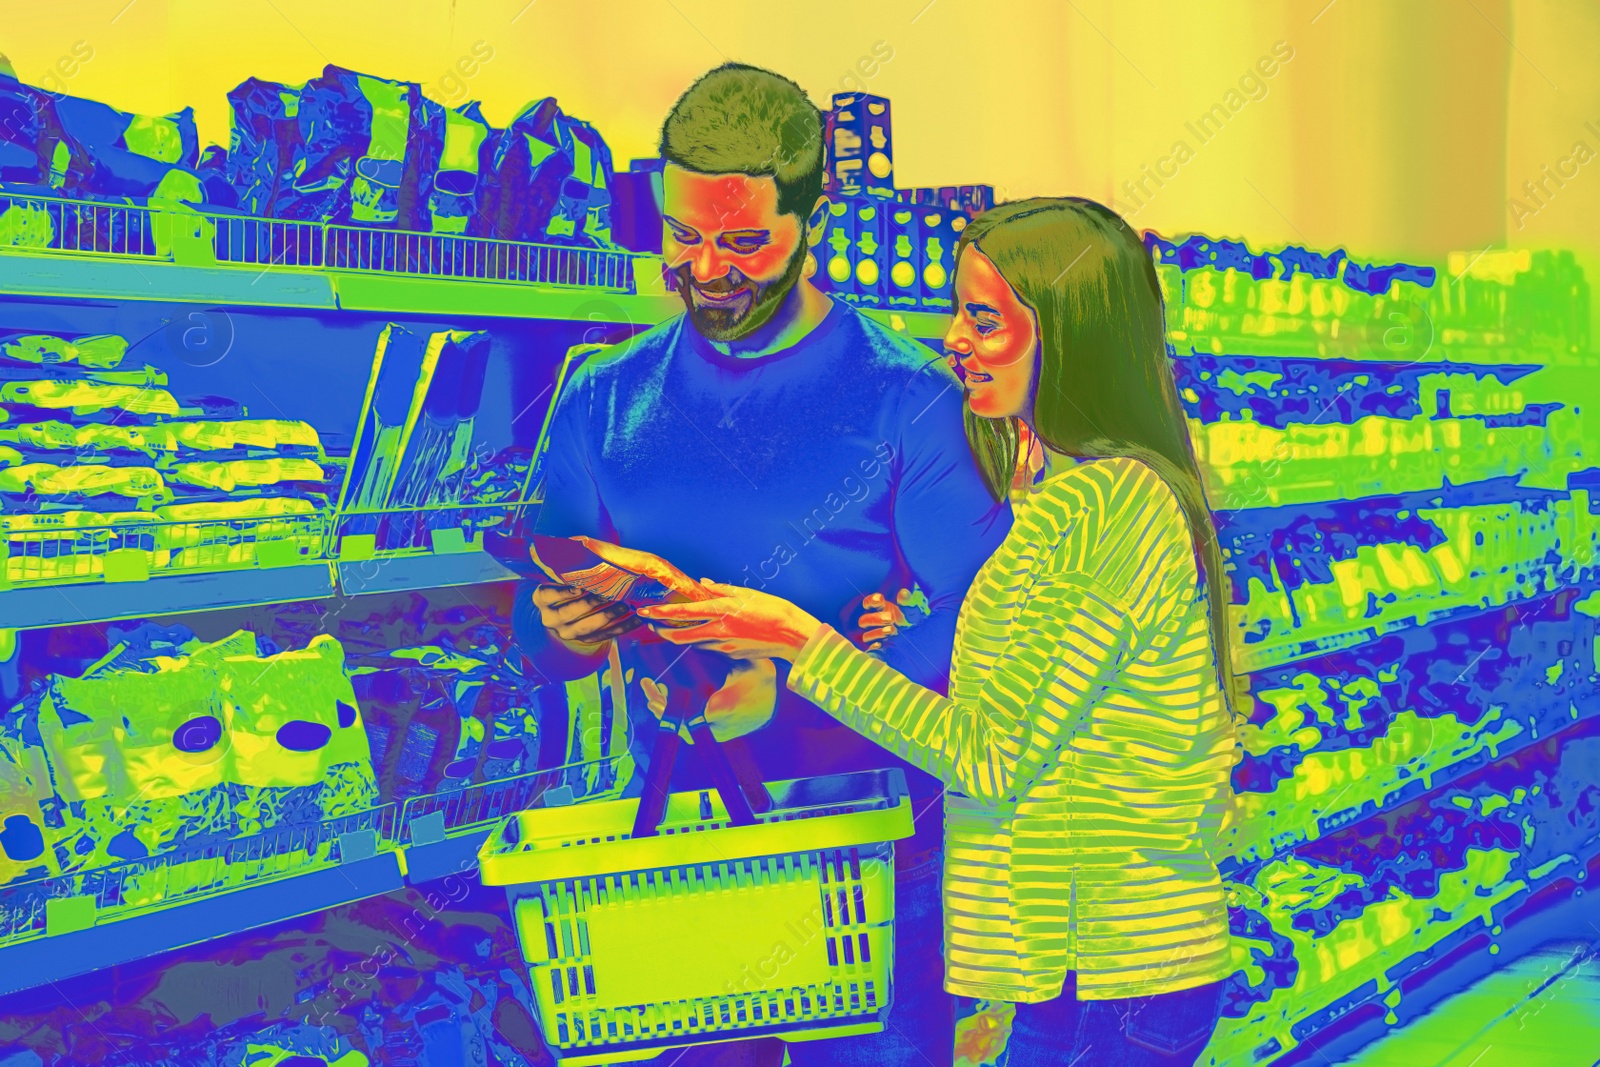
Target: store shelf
(86, 277)
(387, 294)
(53, 958)
(442, 831)
(84, 920)
(305, 266)
(68, 604)
(428, 571)
(64, 605)
(163, 594)
(88, 929)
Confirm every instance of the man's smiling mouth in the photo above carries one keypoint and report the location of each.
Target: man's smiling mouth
(722, 299)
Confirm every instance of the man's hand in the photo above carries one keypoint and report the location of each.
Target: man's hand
(746, 701)
(880, 619)
(744, 704)
(582, 622)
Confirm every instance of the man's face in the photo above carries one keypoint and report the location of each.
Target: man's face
(736, 257)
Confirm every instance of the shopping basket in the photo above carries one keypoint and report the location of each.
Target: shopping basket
(705, 921)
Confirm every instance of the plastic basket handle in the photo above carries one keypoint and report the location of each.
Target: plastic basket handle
(726, 774)
(741, 798)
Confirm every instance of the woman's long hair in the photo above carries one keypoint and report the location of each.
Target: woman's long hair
(1103, 385)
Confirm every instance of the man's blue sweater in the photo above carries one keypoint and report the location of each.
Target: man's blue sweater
(824, 472)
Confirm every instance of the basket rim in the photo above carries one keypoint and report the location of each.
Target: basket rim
(588, 840)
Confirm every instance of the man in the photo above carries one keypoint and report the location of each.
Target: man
(775, 438)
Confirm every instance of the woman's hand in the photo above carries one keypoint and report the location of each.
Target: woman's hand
(737, 622)
(645, 563)
(742, 705)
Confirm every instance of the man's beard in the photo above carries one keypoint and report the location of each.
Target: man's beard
(730, 324)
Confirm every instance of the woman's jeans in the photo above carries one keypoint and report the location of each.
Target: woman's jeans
(1162, 1030)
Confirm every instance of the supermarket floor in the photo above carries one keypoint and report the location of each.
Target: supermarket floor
(1542, 1010)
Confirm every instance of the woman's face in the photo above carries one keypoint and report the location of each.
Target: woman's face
(993, 339)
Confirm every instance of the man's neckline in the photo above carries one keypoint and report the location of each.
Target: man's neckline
(830, 321)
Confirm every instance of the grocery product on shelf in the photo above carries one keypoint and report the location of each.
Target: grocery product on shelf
(261, 142)
(163, 441)
(1519, 306)
(415, 729)
(139, 484)
(357, 141)
(55, 143)
(92, 463)
(439, 446)
(443, 695)
(870, 233)
(352, 148)
(970, 200)
(464, 158)
(344, 147)
(551, 181)
(169, 742)
(882, 247)
(636, 206)
(419, 466)
(939, 230)
(90, 397)
(880, 253)
(228, 476)
(859, 149)
(333, 149)
(834, 270)
(104, 351)
(902, 283)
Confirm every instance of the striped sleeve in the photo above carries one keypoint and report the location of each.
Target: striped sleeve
(1064, 646)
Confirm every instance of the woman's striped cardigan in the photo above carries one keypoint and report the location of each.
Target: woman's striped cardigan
(1085, 743)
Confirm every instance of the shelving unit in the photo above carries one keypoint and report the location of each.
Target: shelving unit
(58, 927)
(65, 605)
(65, 277)
(277, 265)
(52, 958)
(179, 254)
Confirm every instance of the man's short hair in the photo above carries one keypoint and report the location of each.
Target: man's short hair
(739, 119)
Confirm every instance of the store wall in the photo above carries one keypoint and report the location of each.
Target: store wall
(1389, 129)
(1395, 129)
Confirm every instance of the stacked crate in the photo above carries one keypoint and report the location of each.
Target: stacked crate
(883, 247)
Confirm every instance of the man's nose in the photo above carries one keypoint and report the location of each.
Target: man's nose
(707, 265)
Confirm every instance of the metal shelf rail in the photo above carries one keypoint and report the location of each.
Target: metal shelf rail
(60, 926)
(441, 832)
(44, 550)
(184, 235)
(81, 899)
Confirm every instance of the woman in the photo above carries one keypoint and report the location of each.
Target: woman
(1088, 735)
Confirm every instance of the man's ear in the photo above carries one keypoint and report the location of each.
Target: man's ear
(817, 222)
